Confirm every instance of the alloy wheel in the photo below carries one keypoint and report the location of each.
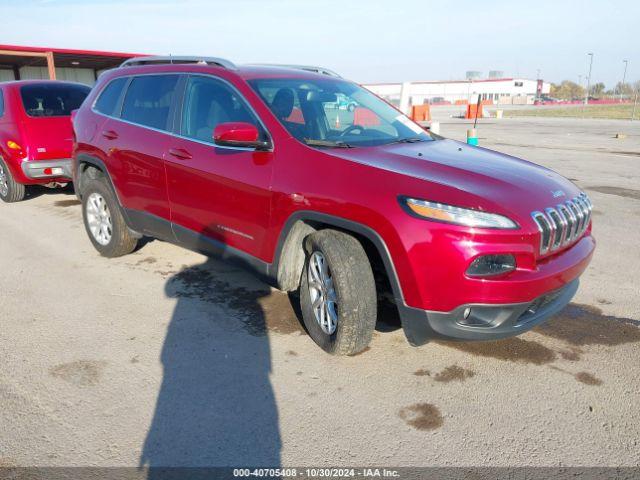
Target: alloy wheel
(4, 182)
(99, 219)
(324, 300)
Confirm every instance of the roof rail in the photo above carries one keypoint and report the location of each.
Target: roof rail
(308, 68)
(157, 60)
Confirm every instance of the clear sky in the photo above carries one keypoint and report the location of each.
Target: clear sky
(366, 41)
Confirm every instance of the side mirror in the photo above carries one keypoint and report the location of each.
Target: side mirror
(238, 134)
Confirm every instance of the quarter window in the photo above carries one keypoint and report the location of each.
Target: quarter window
(148, 100)
(209, 102)
(108, 100)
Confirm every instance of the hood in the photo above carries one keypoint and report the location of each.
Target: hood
(491, 178)
(48, 138)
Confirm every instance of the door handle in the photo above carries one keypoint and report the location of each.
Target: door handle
(180, 153)
(109, 134)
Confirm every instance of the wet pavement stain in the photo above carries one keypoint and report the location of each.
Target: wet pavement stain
(582, 325)
(453, 373)
(422, 416)
(587, 379)
(582, 377)
(421, 372)
(260, 309)
(620, 192)
(511, 349)
(82, 373)
(147, 260)
(66, 203)
(572, 354)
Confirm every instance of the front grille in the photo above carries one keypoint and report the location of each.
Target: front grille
(563, 224)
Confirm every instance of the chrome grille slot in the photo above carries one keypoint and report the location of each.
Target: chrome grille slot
(560, 227)
(544, 227)
(563, 224)
(571, 222)
(578, 215)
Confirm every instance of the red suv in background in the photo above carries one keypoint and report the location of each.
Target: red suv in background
(255, 164)
(35, 133)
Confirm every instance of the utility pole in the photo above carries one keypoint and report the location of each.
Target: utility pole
(586, 97)
(624, 76)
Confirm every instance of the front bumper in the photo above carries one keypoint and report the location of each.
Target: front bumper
(47, 169)
(484, 321)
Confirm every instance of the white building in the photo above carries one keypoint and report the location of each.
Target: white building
(519, 91)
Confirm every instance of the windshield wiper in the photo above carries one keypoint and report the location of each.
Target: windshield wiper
(327, 143)
(409, 140)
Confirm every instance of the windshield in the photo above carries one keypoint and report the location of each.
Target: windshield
(52, 100)
(329, 112)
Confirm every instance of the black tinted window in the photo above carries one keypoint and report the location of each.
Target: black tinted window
(51, 99)
(207, 103)
(148, 100)
(108, 99)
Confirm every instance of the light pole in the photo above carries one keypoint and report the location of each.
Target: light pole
(624, 76)
(586, 97)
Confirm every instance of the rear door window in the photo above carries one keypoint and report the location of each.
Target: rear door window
(108, 100)
(148, 100)
(52, 99)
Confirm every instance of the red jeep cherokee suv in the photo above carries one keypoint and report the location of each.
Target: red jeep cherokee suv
(35, 134)
(258, 164)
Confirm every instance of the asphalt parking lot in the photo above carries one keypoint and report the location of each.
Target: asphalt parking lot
(165, 357)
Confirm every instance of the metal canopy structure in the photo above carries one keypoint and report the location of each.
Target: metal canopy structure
(13, 57)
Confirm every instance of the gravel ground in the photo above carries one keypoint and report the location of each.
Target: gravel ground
(165, 357)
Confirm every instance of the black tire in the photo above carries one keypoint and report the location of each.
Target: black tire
(121, 241)
(355, 292)
(15, 191)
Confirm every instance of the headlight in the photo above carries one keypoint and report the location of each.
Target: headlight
(457, 215)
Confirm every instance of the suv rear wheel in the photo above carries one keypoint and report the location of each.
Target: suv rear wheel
(104, 222)
(10, 190)
(338, 293)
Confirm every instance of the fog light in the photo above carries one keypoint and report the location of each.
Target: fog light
(467, 312)
(488, 265)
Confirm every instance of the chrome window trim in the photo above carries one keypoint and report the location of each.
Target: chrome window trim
(173, 134)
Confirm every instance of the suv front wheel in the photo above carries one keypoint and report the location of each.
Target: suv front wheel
(337, 293)
(104, 222)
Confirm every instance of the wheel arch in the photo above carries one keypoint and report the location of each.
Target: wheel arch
(85, 165)
(290, 256)
(85, 162)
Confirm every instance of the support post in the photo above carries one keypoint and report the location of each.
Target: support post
(51, 66)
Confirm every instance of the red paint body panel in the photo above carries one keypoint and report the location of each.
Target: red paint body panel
(223, 194)
(252, 194)
(41, 138)
(235, 132)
